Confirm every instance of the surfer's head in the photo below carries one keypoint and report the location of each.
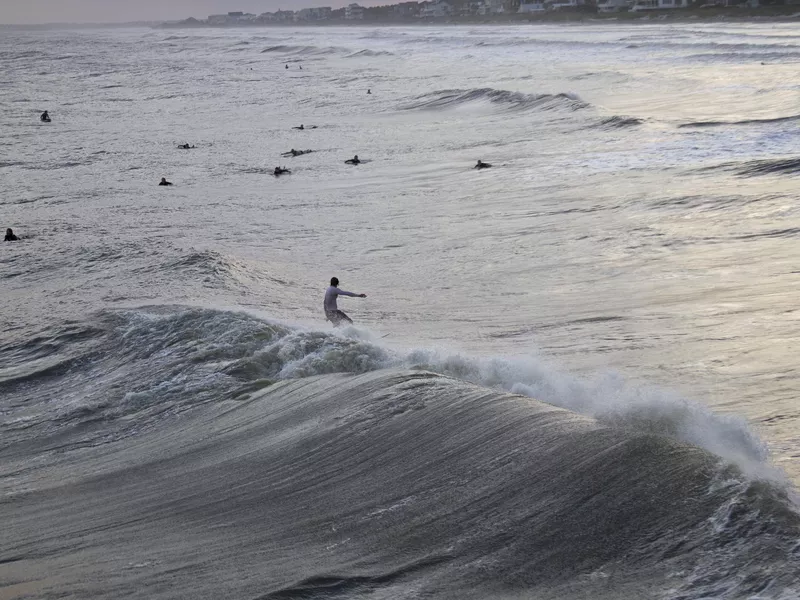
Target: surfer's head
(334, 282)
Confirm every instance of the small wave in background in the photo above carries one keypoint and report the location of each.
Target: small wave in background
(503, 99)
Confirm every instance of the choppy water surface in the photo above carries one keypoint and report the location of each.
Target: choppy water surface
(632, 257)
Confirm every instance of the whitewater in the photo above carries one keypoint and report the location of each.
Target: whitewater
(574, 375)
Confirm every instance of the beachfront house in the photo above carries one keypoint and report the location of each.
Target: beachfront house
(322, 13)
(406, 9)
(609, 6)
(437, 9)
(470, 9)
(564, 4)
(284, 16)
(639, 5)
(491, 7)
(354, 12)
(531, 6)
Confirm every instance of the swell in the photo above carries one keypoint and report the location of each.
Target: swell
(760, 167)
(305, 50)
(369, 53)
(618, 122)
(504, 99)
(789, 118)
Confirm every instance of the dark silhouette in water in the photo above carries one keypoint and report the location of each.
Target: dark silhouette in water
(353, 161)
(303, 127)
(369, 91)
(45, 118)
(294, 152)
(186, 147)
(10, 237)
(164, 181)
(281, 171)
(482, 165)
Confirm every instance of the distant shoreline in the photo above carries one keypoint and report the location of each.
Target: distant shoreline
(767, 14)
(651, 17)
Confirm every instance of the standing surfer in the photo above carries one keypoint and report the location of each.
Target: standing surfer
(332, 312)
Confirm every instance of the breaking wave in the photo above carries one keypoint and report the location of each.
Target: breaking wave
(513, 101)
(225, 352)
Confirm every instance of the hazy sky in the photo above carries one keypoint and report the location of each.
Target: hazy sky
(111, 11)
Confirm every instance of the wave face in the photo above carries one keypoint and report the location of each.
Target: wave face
(306, 50)
(221, 454)
(504, 99)
(790, 118)
(184, 357)
(617, 122)
(760, 167)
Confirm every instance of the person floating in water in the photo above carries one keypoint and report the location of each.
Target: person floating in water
(332, 312)
(164, 181)
(186, 147)
(369, 91)
(45, 118)
(482, 165)
(281, 171)
(294, 152)
(353, 161)
(287, 66)
(10, 237)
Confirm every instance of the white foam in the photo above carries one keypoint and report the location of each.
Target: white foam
(609, 397)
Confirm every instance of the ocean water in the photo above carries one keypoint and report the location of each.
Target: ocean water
(574, 374)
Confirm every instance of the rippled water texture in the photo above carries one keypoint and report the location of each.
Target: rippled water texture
(641, 214)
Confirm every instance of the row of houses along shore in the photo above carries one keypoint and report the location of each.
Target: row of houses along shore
(441, 9)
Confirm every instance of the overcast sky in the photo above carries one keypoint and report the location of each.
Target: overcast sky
(113, 11)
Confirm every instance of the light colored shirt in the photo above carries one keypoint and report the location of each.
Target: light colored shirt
(330, 297)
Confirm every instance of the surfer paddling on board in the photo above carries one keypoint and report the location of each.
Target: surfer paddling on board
(332, 313)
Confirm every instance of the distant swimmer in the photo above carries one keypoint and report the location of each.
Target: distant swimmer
(10, 237)
(45, 118)
(369, 91)
(302, 127)
(186, 147)
(353, 161)
(482, 165)
(332, 312)
(164, 181)
(281, 171)
(287, 66)
(294, 152)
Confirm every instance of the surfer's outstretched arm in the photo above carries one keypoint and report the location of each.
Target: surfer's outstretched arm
(343, 293)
